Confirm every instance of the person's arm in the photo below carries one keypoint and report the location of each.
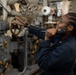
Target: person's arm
(47, 57)
(39, 32)
(46, 34)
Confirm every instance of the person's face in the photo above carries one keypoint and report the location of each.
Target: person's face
(63, 23)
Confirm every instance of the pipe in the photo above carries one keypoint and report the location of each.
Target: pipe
(4, 2)
(10, 2)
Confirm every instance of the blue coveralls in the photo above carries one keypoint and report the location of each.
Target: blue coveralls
(54, 56)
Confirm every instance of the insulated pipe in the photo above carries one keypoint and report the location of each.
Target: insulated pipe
(11, 1)
(4, 3)
(13, 12)
(45, 2)
(33, 1)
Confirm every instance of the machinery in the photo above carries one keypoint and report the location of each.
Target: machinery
(15, 42)
(16, 51)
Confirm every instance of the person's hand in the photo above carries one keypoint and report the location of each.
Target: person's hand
(50, 33)
(19, 21)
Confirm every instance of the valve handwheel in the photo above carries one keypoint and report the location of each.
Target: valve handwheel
(14, 28)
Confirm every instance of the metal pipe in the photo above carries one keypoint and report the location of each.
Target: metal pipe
(26, 48)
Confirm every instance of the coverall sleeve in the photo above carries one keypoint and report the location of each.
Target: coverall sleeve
(39, 32)
(47, 57)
